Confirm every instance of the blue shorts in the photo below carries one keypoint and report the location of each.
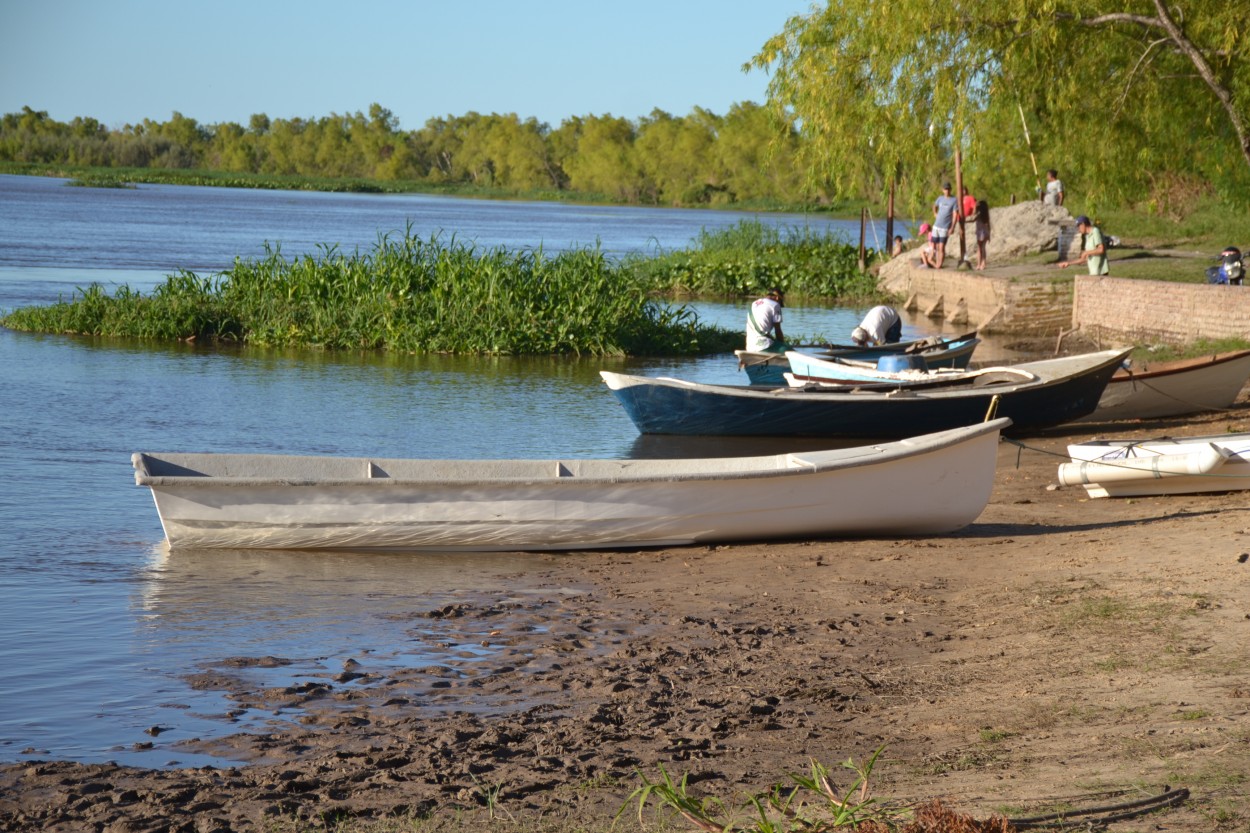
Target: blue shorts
(938, 238)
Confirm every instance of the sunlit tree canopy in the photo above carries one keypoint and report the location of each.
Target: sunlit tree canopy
(1129, 99)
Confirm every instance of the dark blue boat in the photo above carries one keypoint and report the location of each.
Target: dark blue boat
(1064, 389)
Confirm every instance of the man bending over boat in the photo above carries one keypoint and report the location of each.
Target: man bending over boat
(882, 325)
(764, 324)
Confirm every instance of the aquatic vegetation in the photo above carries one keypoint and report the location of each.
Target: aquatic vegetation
(406, 294)
(751, 257)
(440, 295)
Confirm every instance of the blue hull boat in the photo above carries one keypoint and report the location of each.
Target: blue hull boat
(1064, 389)
(770, 368)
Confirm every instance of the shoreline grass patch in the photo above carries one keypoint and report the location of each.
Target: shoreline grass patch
(438, 295)
(406, 294)
(750, 258)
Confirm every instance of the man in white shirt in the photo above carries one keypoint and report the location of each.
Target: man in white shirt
(764, 324)
(882, 325)
(1054, 189)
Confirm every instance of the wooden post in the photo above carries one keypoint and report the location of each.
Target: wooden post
(863, 220)
(889, 221)
(959, 199)
(1037, 177)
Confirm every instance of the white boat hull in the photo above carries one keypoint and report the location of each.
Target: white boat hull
(1169, 466)
(1174, 388)
(931, 484)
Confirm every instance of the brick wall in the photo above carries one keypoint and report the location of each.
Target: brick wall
(1159, 312)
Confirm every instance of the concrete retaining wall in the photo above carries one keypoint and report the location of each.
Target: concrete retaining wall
(1107, 309)
(992, 304)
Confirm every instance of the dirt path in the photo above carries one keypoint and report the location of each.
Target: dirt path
(1060, 651)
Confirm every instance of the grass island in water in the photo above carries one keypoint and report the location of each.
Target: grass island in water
(434, 296)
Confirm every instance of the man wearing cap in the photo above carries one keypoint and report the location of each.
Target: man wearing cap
(1094, 252)
(945, 208)
(882, 325)
(764, 324)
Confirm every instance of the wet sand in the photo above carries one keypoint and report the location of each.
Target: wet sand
(1059, 650)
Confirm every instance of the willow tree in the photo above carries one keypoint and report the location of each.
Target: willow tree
(1126, 102)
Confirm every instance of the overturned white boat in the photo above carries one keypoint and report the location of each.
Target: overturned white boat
(1166, 466)
(930, 484)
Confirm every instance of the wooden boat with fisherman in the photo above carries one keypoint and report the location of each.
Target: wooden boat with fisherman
(933, 352)
(1056, 391)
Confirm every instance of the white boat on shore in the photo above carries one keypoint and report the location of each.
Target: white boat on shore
(1174, 388)
(930, 484)
(1165, 466)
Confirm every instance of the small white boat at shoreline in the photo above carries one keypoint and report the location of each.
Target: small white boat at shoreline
(1164, 466)
(930, 484)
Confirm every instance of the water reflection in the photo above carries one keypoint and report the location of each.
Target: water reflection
(314, 603)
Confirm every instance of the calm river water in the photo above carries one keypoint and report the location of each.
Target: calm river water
(99, 624)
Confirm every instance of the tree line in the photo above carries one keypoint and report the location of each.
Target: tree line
(1145, 104)
(748, 156)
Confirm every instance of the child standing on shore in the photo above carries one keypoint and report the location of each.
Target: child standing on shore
(982, 217)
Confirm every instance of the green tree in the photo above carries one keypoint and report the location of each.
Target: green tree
(1112, 97)
(756, 155)
(603, 162)
(675, 157)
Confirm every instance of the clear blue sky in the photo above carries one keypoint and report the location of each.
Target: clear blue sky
(121, 61)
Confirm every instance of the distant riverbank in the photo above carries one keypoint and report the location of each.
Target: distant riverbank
(108, 177)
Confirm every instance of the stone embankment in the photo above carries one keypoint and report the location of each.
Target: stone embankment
(1037, 300)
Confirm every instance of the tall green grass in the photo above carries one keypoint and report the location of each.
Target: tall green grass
(406, 294)
(750, 258)
(441, 296)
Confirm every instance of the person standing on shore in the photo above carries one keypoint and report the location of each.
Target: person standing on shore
(968, 208)
(764, 324)
(945, 209)
(882, 325)
(982, 218)
(1054, 189)
(1095, 248)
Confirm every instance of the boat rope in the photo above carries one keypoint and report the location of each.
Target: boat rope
(1101, 816)
(1200, 405)
(1110, 463)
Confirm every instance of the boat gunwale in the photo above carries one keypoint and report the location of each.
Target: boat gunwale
(839, 460)
(1171, 368)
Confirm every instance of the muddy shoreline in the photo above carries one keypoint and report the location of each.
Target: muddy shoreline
(1060, 649)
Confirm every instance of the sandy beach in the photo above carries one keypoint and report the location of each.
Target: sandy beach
(1060, 652)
